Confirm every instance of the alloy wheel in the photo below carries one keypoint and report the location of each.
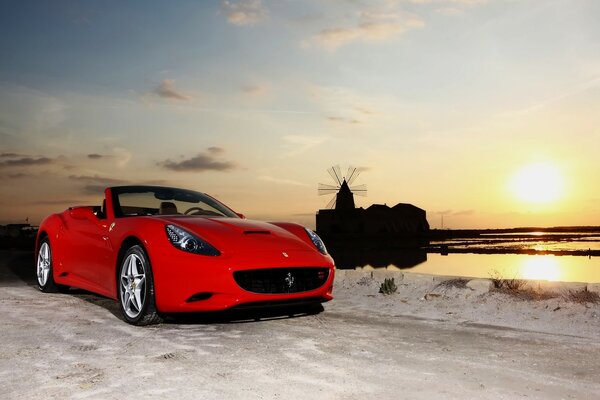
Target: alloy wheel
(133, 285)
(44, 263)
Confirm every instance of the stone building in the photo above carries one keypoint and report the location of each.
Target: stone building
(377, 220)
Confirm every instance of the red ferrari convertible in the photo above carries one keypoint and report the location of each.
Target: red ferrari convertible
(160, 250)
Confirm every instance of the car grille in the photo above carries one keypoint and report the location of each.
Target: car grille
(281, 280)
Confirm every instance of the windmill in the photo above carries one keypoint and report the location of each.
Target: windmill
(344, 192)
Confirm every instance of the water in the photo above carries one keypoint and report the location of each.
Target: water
(563, 242)
(566, 267)
(508, 266)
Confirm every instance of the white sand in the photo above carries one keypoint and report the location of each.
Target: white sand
(422, 296)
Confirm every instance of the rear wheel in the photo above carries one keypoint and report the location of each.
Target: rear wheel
(136, 288)
(45, 270)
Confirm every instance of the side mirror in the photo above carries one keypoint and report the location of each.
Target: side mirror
(242, 216)
(82, 213)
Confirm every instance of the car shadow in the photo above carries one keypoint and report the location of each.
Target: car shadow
(244, 316)
(110, 305)
(17, 267)
(232, 316)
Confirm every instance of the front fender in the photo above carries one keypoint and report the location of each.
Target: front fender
(50, 227)
(299, 231)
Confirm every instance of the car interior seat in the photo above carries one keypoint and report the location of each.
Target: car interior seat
(100, 211)
(167, 208)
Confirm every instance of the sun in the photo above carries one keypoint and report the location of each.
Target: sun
(538, 183)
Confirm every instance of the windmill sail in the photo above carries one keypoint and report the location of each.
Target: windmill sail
(343, 193)
(327, 189)
(352, 174)
(336, 174)
(360, 190)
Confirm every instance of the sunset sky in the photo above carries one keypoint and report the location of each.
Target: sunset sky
(485, 112)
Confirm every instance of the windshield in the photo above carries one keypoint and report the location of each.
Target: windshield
(153, 200)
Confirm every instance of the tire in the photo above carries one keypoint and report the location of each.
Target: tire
(45, 270)
(136, 288)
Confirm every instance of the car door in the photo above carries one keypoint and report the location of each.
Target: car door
(92, 250)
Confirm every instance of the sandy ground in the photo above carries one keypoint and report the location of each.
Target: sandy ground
(425, 341)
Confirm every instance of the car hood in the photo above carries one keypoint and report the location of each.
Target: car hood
(234, 235)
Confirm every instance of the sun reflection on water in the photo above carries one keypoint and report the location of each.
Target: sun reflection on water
(511, 266)
(541, 267)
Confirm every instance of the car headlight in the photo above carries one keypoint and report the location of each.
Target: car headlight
(184, 240)
(316, 241)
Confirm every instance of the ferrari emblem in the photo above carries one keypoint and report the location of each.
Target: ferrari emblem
(289, 280)
(284, 254)
(110, 228)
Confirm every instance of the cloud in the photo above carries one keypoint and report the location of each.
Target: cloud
(451, 2)
(97, 179)
(122, 156)
(205, 161)
(380, 21)
(215, 150)
(26, 162)
(254, 90)
(343, 120)
(93, 189)
(342, 105)
(370, 27)
(280, 181)
(455, 213)
(464, 212)
(11, 155)
(18, 175)
(450, 7)
(95, 184)
(244, 12)
(364, 110)
(166, 89)
(66, 202)
(298, 144)
(444, 212)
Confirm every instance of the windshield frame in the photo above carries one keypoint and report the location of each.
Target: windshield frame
(116, 191)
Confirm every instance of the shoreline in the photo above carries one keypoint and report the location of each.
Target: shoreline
(445, 250)
(558, 308)
(541, 284)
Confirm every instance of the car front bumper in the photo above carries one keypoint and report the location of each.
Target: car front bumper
(186, 282)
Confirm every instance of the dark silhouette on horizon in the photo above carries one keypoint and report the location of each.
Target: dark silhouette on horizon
(18, 236)
(378, 235)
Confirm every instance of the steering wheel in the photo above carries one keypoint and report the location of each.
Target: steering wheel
(199, 210)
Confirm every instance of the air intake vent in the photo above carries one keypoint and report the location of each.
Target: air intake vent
(281, 280)
(199, 297)
(257, 233)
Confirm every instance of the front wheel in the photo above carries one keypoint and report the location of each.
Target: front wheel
(45, 270)
(136, 288)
